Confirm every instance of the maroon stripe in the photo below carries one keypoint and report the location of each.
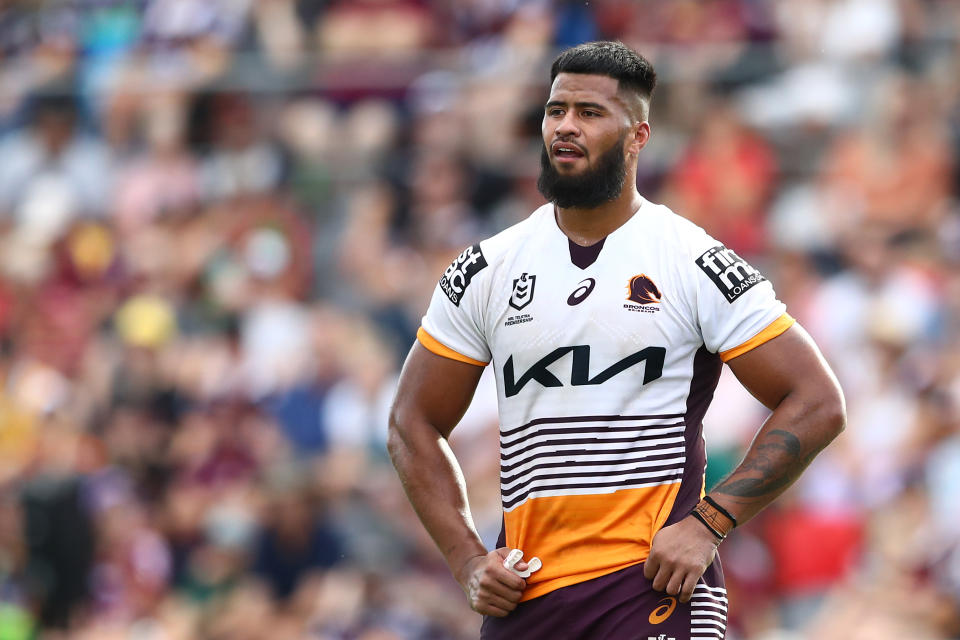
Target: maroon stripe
(586, 440)
(599, 429)
(667, 477)
(706, 374)
(672, 466)
(586, 463)
(568, 419)
(667, 471)
(504, 468)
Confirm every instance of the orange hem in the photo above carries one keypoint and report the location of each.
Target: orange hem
(434, 346)
(772, 330)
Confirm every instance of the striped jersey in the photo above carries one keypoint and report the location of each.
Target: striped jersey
(605, 365)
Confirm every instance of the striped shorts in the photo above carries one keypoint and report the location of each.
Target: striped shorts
(618, 606)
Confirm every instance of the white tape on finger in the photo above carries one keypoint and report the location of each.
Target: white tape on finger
(515, 556)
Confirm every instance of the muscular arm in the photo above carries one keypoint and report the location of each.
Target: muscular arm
(789, 376)
(432, 396)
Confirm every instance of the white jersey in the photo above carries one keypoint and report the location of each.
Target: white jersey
(604, 372)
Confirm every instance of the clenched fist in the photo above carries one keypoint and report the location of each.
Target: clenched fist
(679, 555)
(491, 588)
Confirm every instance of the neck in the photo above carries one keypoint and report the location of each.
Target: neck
(589, 226)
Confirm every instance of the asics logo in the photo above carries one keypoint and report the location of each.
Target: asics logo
(581, 292)
(663, 611)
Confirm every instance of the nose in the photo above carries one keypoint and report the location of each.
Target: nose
(568, 126)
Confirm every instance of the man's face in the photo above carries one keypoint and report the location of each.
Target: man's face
(586, 130)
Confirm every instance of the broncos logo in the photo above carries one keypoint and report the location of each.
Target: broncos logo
(643, 290)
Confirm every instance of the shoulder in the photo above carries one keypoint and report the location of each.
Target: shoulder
(515, 237)
(674, 233)
(698, 258)
(703, 262)
(476, 263)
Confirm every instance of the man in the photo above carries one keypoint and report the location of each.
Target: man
(607, 319)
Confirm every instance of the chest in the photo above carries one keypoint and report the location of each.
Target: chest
(555, 324)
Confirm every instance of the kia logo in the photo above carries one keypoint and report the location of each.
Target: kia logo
(581, 292)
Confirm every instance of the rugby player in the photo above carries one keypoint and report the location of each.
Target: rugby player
(607, 319)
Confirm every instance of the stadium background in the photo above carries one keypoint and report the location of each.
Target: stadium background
(220, 221)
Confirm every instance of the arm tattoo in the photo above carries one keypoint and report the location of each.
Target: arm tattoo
(775, 462)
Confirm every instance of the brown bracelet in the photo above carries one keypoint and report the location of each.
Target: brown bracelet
(713, 503)
(699, 516)
(718, 522)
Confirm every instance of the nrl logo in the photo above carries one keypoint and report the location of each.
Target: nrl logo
(522, 291)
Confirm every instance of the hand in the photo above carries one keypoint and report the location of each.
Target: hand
(492, 589)
(679, 555)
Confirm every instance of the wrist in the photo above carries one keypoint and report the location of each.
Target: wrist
(462, 568)
(715, 519)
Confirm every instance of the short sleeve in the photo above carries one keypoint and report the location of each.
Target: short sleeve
(453, 324)
(737, 308)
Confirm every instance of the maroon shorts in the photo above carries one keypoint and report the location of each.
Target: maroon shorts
(617, 606)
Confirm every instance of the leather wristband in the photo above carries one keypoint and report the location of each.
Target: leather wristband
(716, 534)
(713, 503)
(719, 522)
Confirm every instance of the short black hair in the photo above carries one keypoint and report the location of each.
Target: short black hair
(609, 58)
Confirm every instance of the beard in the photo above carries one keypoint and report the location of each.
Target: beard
(589, 189)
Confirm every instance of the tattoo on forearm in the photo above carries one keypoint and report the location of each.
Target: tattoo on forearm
(776, 461)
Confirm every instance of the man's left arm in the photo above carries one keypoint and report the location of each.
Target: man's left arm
(789, 376)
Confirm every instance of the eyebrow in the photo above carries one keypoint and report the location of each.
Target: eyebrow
(579, 105)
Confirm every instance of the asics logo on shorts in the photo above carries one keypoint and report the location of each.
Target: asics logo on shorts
(663, 611)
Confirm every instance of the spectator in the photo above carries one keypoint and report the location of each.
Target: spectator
(724, 181)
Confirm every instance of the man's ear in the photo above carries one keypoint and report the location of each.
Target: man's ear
(641, 135)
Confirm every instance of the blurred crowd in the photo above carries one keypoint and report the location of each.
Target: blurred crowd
(221, 220)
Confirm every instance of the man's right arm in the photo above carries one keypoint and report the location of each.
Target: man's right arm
(432, 396)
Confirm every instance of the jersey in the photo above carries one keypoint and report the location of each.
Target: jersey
(604, 372)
